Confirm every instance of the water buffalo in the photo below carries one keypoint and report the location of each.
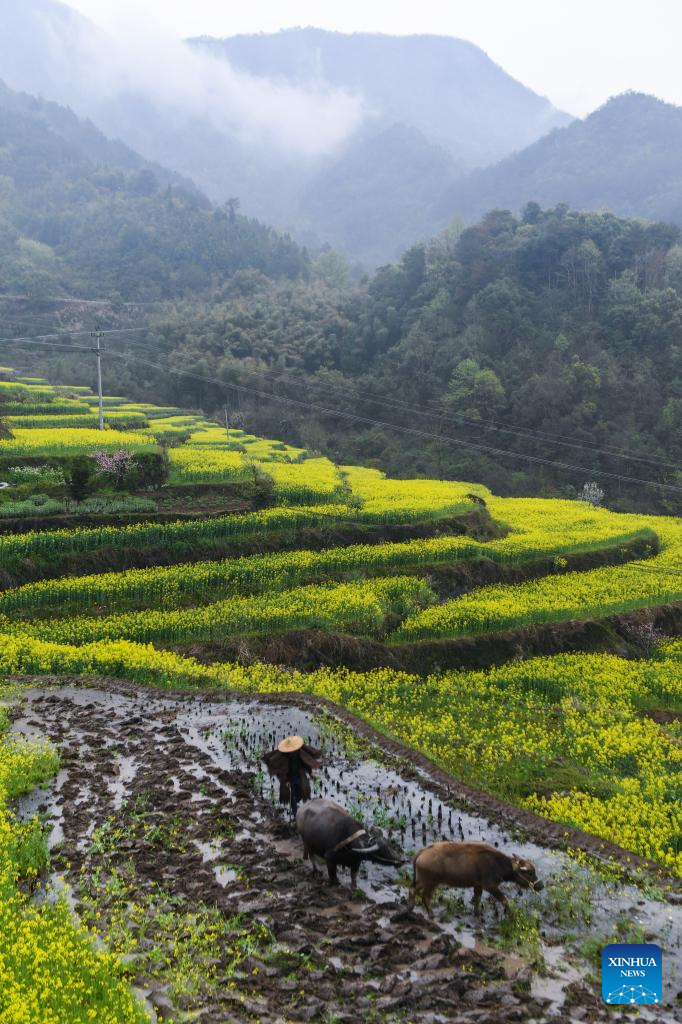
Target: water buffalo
(329, 831)
(464, 865)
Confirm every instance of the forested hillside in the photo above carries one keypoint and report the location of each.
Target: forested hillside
(521, 351)
(625, 157)
(382, 187)
(492, 355)
(560, 322)
(82, 215)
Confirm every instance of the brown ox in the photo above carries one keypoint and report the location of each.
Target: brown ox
(468, 865)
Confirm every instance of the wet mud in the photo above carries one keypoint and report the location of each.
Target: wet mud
(165, 794)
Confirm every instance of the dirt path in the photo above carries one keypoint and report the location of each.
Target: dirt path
(163, 822)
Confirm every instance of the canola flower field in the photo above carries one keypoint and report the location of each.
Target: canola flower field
(46, 442)
(356, 608)
(50, 968)
(571, 737)
(205, 581)
(597, 593)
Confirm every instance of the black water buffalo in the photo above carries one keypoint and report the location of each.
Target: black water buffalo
(464, 865)
(329, 831)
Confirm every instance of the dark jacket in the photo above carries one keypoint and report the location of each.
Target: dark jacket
(285, 767)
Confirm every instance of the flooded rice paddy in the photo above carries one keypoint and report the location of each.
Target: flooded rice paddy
(164, 798)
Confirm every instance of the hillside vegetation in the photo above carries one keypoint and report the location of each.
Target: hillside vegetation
(624, 158)
(341, 99)
(493, 354)
(389, 591)
(590, 740)
(427, 517)
(82, 215)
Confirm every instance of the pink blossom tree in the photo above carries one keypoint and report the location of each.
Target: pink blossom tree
(116, 464)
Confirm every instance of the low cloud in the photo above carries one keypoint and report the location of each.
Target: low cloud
(90, 69)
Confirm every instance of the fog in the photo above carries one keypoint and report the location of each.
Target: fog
(47, 48)
(578, 55)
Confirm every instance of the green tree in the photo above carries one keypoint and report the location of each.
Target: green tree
(79, 478)
(474, 392)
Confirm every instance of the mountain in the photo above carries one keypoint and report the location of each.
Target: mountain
(287, 122)
(81, 214)
(625, 157)
(38, 42)
(376, 198)
(88, 140)
(454, 94)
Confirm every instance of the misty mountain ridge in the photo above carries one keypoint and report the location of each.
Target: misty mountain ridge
(82, 215)
(625, 157)
(562, 322)
(325, 136)
(388, 179)
(279, 121)
(455, 95)
(89, 141)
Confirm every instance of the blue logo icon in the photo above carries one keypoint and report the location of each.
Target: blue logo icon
(632, 973)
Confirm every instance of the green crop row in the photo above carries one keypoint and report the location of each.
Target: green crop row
(611, 590)
(359, 608)
(69, 419)
(205, 581)
(65, 407)
(52, 546)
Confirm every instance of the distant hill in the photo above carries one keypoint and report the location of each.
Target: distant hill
(380, 192)
(377, 197)
(625, 157)
(321, 134)
(88, 140)
(454, 94)
(82, 214)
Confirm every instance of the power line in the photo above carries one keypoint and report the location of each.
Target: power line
(409, 430)
(114, 303)
(374, 422)
(610, 451)
(561, 439)
(636, 567)
(488, 423)
(399, 405)
(75, 334)
(33, 321)
(588, 446)
(56, 344)
(484, 424)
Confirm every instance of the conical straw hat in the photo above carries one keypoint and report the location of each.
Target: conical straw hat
(290, 744)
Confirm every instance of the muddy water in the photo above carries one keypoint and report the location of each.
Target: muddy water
(194, 758)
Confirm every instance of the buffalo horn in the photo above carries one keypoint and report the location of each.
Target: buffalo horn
(365, 849)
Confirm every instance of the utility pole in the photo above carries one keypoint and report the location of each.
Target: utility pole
(98, 335)
(227, 425)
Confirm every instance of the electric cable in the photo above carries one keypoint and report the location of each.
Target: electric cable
(225, 385)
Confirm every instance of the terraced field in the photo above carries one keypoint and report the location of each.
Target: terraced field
(359, 571)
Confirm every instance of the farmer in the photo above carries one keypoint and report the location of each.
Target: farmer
(292, 763)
